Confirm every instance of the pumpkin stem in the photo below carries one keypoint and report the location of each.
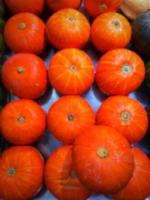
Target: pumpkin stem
(21, 119)
(22, 26)
(20, 70)
(71, 117)
(73, 68)
(125, 116)
(102, 7)
(71, 19)
(102, 152)
(116, 23)
(127, 69)
(73, 173)
(11, 171)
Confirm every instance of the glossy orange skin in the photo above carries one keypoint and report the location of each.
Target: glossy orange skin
(30, 38)
(109, 114)
(113, 78)
(61, 4)
(61, 127)
(71, 71)
(60, 177)
(31, 83)
(97, 7)
(68, 28)
(33, 6)
(28, 180)
(22, 131)
(138, 187)
(103, 174)
(110, 31)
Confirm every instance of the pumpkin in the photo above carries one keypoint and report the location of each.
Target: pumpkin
(120, 72)
(141, 32)
(110, 31)
(74, 114)
(22, 122)
(68, 28)
(25, 75)
(61, 4)
(60, 177)
(18, 6)
(21, 173)
(133, 8)
(103, 159)
(127, 116)
(25, 32)
(97, 7)
(71, 71)
(139, 185)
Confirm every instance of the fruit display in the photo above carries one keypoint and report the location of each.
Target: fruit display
(74, 100)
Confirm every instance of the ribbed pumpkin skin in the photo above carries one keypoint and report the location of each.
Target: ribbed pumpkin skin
(21, 167)
(22, 122)
(68, 28)
(139, 185)
(25, 32)
(74, 114)
(61, 4)
(97, 7)
(126, 115)
(18, 6)
(60, 177)
(103, 159)
(71, 71)
(109, 31)
(120, 72)
(25, 75)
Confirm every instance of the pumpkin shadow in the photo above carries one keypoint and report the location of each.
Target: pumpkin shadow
(142, 94)
(98, 93)
(46, 97)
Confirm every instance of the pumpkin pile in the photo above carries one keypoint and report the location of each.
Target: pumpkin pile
(97, 152)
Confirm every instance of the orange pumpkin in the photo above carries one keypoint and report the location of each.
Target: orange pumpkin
(60, 177)
(103, 159)
(110, 31)
(119, 72)
(25, 75)
(21, 173)
(126, 115)
(138, 187)
(74, 114)
(61, 4)
(25, 32)
(71, 71)
(22, 122)
(33, 6)
(68, 28)
(97, 7)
